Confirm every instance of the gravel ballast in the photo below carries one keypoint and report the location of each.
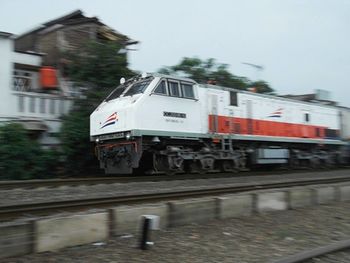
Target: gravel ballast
(258, 238)
(19, 196)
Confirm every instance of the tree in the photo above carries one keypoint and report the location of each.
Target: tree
(226, 79)
(99, 63)
(204, 71)
(262, 87)
(98, 67)
(23, 158)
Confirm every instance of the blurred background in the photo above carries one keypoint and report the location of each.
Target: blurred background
(61, 58)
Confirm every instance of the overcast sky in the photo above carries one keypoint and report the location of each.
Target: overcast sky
(303, 44)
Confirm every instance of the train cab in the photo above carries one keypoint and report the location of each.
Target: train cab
(139, 111)
(148, 103)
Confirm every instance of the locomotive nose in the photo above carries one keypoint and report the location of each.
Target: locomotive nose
(109, 118)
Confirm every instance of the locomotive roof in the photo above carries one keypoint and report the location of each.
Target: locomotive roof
(173, 77)
(268, 96)
(240, 91)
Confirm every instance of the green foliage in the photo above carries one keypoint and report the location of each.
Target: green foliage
(204, 71)
(99, 67)
(21, 157)
(75, 138)
(262, 87)
(98, 63)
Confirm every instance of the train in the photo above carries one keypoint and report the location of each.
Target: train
(155, 123)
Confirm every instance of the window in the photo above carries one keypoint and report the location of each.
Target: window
(21, 103)
(132, 88)
(32, 104)
(52, 106)
(117, 92)
(23, 80)
(233, 98)
(161, 88)
(187, 90)
(307, 117)
(42, 105)
(61, 107)
(174, 88)
(138, 87)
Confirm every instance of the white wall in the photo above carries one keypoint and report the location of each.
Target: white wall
(345, 124)
(10, 109)
(6, 67)
(27, 59)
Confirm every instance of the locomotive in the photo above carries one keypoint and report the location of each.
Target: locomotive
(156, 123)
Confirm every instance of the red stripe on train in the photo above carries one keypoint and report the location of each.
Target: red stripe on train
(223, 124)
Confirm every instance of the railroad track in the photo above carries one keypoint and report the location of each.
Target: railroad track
(316, 252)
(52, 183)
(45, 208)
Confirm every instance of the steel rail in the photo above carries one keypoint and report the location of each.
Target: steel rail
(36, 183)
(52, 183)
(40, 208)
(316, 252)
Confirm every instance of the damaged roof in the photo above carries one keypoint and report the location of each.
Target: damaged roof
(77, 17)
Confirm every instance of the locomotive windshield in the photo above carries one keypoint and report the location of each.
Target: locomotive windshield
(117, 92)
(138, 87)
(130, 88)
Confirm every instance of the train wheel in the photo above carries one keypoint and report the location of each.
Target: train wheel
(314, 163)
(195, 167)
(228, 166)
(168, 164)
(331, 160)
(175, 164)
(294, 163)
(207, 163)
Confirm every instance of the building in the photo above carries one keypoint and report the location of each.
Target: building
(67, 33)
(319, 96)
(23, 99)
(35, 90)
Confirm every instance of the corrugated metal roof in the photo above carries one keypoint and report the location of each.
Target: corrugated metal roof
(77, 17)
(5, 34)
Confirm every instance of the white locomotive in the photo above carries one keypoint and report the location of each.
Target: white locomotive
(158, 123)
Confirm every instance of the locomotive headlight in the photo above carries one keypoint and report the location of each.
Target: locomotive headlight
(97, 140)
(128, 136)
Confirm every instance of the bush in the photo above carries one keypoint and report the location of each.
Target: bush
(75, 137)
(21, 157)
